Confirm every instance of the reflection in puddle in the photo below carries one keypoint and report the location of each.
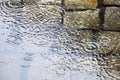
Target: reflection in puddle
(35, 46)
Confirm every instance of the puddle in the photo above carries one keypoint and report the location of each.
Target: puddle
(34, 45)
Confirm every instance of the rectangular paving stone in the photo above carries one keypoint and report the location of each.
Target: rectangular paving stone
(112, 18)
(109, 42)
(58, 2)
(80, 4)
(82, 19)
(111, 2)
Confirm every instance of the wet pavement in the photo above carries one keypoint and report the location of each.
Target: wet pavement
(36, 46)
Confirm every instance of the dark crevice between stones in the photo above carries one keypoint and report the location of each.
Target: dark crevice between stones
(94, 37)
(76, 10)
(62, 13)
(101, 17)
(100, 3)
(101, 14)
(111, 5)
(22, 2)
(62, 3)
(112, 30)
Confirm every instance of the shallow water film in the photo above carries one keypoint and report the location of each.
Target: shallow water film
(59, 40)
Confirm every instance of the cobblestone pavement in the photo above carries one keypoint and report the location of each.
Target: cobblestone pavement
(60, 39)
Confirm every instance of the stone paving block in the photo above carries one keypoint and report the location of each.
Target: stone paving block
(58, 2)
(80, 4)
(83, 19)
(112, 18)
(109, 42)
(111, 2)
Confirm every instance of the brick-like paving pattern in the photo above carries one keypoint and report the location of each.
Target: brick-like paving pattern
(100, 16)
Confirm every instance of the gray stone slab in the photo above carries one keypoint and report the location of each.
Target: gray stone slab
(112, 2)
(82, 19)
(112, 18)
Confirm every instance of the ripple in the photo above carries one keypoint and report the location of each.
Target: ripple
(25, 66)
(9, 8)
(29, 54)
(61, 70)
(28, 59)
(41, 39)
(37, 19)
(114, 74)
(41, 14)
(15, 38)
(77, 41)
(104, 40)
(90, 47)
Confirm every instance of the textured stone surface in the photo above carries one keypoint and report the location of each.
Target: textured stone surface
(80, 4)
(112, 2)
(112, 18)
(42, 2)
(109, 42)
(83, 19)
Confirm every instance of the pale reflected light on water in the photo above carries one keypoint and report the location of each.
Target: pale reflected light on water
(35, 46)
